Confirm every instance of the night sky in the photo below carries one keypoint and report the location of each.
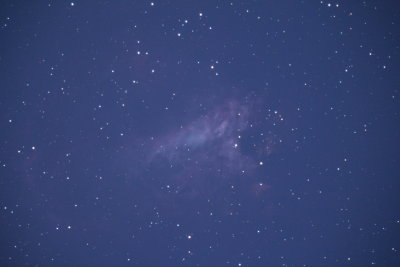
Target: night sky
(199, 133)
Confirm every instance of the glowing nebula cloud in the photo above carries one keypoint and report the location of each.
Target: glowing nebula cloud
(208, 146)
(206, 156)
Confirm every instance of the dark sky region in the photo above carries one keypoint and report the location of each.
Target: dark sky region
(199, 133)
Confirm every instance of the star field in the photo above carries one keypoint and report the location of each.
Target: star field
(199, 133)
